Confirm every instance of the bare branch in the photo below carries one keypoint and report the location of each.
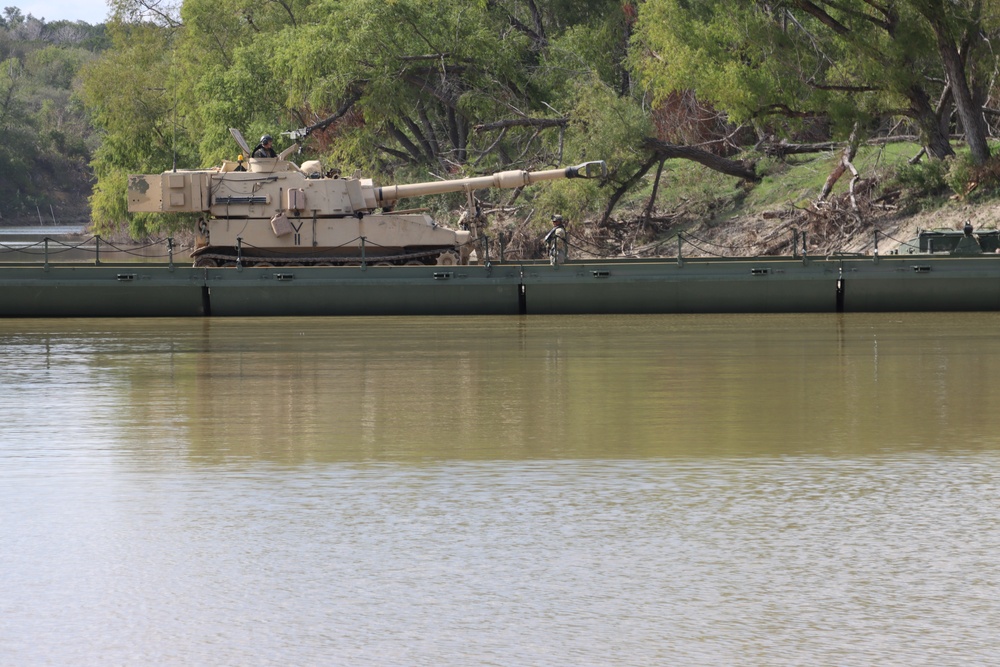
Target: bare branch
(787, 111)
(844, 89)
(624, 187)
(404, 140)
(428, 56)
(850, 150)
(288, 10)
(521, 122)
(354, 93)
(663, 150)
(489, 149)
(820, 14)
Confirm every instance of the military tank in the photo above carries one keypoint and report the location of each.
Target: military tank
(272, 212)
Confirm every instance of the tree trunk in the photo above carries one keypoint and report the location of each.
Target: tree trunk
(971, 116)
(405, 142)
(969, 112)
(422, 141)
(934, 139)
(625, 84)
(652, 197)
(846, 158)
(429, 132)
(625, 187)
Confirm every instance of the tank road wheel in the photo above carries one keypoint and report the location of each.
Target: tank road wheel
(205, 263)
(414, 262)
(382, 264)
(264, 265)
(449, 258)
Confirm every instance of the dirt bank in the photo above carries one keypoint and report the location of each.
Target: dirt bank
(832, 227)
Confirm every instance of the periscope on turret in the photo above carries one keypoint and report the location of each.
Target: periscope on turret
(278, 213)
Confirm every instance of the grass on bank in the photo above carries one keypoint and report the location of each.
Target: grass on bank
(792, 182)
(797, 180)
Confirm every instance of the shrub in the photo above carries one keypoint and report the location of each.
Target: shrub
(927, 178)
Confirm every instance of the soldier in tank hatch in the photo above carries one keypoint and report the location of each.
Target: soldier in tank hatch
(265, 148)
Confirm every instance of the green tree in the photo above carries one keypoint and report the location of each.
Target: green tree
(15, 133)
(131, 94)
(848, 60)
(382, 86)
(45, 139)
(963, 30)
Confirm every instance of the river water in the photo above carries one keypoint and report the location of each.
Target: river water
(682, 490)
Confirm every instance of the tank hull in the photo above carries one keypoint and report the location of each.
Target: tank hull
(391, 238)
(760, 285)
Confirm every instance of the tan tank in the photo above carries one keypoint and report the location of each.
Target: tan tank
(277, 213)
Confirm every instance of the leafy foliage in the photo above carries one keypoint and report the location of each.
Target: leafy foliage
(418, 89)
(853, 62)
(45, 139)
(411, 85)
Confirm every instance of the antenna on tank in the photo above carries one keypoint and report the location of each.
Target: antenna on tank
(173, 147)
(173, 141)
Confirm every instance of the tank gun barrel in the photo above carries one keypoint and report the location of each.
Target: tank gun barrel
(386, 195)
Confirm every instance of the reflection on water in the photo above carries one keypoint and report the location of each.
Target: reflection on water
(577, 490)
(330, 389)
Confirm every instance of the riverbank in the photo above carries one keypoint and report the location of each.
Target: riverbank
(838, 229)
(891, 200)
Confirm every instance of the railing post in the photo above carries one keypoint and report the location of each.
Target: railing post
(239, 253)
(170, 252)
(97, 250)
(875, 259)
(795, 244)
(680, 257)
(46, 253)
(805, 248)
(364, 260)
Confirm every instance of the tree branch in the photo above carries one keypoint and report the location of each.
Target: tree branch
(421, 139)
(787, 111)
(521, 122)
(663, 150)
(846, 158)
(404, 140)
(392, 151)
(537, 35)
(288, 10)
(820, 15)
(354, 93)
(624, 187)
(844, 89)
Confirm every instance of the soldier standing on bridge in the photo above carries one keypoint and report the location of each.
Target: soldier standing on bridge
(556, 240)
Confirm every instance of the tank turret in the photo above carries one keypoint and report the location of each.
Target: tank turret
(277, 213)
